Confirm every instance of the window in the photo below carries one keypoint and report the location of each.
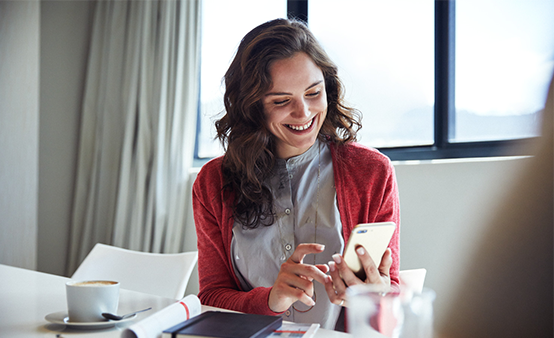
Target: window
(388, 70)
(503, 45)
(433, 79)
(224, 23)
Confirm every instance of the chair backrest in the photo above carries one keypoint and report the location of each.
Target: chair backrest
(413, 279)
(165, 275)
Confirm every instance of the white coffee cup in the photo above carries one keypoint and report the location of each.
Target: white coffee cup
(87, 300)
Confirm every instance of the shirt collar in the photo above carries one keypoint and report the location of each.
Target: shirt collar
(303, 158)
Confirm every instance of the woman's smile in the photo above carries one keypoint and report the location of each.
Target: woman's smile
(301, 127)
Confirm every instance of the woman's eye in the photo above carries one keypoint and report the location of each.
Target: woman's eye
(313, 94)
(280, 103)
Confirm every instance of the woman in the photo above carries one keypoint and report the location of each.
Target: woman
(292, 184)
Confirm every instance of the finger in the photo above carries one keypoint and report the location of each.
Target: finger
(306, 285)
(306, 271)
(309, 272)
(347, 275)
(323, 267)
(372, 273)
(287, 289)
(386, 262)
(296, 281)
(286, 295)
(306, 299)
(308, 278)
(305, 249)
(336, 289)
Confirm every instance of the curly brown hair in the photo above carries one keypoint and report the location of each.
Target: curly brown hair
(249, 145)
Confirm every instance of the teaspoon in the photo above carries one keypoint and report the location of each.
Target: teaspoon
(116, 317)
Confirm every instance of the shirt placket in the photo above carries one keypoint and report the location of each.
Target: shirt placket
(289, 215)
(289, 223)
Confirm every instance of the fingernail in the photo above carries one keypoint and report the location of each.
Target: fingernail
(331, 266)
(321, 247)
(360, 251)
(337, 259)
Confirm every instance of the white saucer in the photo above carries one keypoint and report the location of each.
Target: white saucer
(62, 319)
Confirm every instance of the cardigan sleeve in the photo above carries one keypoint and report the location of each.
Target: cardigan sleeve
(219, 286)
(390, 211)
(367, 192)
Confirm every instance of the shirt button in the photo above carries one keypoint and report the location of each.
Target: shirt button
(287, 313)
(288, 247)
(287, 211)
(283, 257)
(291, 176)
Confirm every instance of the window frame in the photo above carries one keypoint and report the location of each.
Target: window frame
(444, 108)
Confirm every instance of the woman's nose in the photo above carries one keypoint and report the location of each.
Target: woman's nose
(301, 108)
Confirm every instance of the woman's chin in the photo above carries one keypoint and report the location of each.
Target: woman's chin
(296, 148)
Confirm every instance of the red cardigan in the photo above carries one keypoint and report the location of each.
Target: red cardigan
(366, 192)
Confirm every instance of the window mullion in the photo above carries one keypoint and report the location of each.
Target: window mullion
(297, 9)
(445, 26)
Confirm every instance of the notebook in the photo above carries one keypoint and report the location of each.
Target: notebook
(216, 324)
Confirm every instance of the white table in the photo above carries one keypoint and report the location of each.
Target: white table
(27, 296)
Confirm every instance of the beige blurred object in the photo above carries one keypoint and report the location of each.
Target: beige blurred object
(507, 291)
(413, 279)
(165, 275)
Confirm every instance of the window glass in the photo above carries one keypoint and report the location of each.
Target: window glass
(224, 23)
(504, 62)
(385, 54)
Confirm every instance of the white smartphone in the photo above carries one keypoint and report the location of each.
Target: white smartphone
(374, 237)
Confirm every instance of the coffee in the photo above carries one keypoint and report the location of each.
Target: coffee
(94, 283)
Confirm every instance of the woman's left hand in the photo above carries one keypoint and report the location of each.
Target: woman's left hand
(343, 277)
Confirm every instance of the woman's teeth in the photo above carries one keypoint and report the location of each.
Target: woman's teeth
(300, 128)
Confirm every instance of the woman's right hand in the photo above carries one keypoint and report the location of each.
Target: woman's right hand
(294, 281)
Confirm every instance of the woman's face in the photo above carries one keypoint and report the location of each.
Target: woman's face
(296, 104)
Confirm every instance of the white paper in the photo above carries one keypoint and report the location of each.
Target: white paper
(152, 326)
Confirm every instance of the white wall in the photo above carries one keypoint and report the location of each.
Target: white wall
(443, 203)
(19, 120)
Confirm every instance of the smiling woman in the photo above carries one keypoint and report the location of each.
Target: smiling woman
(261, 69)
(273, 213)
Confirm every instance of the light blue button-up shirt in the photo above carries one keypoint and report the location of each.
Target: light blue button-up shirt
(258, 253)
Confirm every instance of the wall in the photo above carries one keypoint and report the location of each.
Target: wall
(19, 120)
(65, 30)
(445, 205)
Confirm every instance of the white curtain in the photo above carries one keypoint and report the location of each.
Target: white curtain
(138, 127)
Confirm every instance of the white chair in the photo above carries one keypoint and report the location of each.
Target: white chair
(165, 275)
(413, 279)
